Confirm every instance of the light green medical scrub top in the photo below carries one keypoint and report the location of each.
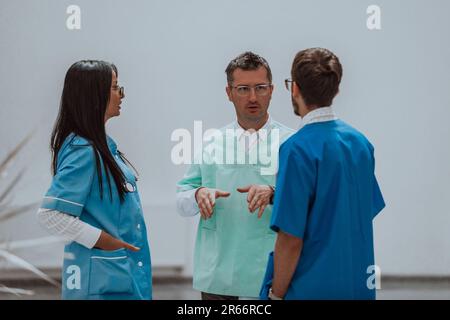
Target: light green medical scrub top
(232, 247)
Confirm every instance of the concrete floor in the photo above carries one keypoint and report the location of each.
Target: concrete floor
(391, 290)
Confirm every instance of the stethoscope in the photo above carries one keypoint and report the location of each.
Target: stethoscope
(128, 185)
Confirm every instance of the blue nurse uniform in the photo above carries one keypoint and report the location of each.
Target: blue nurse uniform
(94, 273)
(327, 195)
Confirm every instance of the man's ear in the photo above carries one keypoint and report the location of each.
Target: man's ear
(272, 87)
(295, 90)
(228, 91)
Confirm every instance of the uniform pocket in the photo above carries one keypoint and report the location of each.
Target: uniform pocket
(210, 223)
(110, 272)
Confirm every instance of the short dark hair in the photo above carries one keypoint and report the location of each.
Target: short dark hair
(318, 73)
(247, 61)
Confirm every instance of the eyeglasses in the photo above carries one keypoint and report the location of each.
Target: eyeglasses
(288, 84)
(261, 90)
(121, 90)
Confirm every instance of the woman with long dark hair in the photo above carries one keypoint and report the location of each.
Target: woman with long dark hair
(93, 202)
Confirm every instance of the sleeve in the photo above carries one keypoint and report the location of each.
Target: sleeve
(68, 227)
(377, 198)
(294, 191)
(186, 204)
(186, 188)
(72, 182)
(191, 180)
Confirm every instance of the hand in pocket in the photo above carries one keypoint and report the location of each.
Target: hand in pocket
(109, 243)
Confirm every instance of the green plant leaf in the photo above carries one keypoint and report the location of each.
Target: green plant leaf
(15, 211)
(28, 243)
(11, 155)
(15, 291)
(11, 186)
(21, 263)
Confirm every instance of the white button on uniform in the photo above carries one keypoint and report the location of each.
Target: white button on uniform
(140, 264)
(138, 226)
(129, 187)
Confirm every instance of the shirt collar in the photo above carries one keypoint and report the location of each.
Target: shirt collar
(319, 115)
(242, 132)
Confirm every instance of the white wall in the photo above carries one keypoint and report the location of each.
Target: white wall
(171, 57)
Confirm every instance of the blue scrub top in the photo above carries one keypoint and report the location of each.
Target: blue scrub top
(327, 195)
(94, 273)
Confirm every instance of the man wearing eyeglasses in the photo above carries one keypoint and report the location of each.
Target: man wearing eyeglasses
(327, 195)
(233, 197)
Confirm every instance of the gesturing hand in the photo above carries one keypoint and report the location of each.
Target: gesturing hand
(258, 197)
(206, 200)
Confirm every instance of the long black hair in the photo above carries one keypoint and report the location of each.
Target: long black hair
(84, 100)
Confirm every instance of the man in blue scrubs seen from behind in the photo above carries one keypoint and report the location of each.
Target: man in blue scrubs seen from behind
(326, 195)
